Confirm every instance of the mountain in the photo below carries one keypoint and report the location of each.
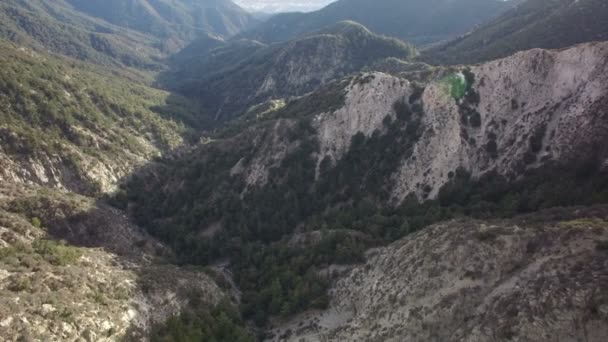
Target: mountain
(71, 268)
(137, 33)
(181, 19)
(294, 192)
(533, 24)
(164, 183)
(55, 26)
(70, 125)
(471, 280)
(416, 21)
(229, 79)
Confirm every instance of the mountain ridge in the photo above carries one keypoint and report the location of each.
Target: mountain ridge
(532, 24)
(282, 70)
(411, 21)
(62, 28)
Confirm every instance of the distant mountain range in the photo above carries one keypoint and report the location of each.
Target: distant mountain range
(185, 19)
(133, 33)
(281, 6)
(229, 77)
(533, 24)
(415, 21)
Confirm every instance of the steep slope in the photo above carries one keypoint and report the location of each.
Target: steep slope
(135, 33)
(177, 19)
(536, 278)
(247, 73)
(293, 188)
(72, 268)
(518, 115)
(73, 126)
(55, 26)
(533, 24)
(415, 21)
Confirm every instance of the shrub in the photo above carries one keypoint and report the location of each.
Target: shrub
(402, 110)
(601, 246)
(536, 140)
(475, 120)
(492, 148)
(56, 252)
(36, 222)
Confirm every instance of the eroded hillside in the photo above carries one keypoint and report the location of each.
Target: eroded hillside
(547, 24)
(542, 277)
(72, 126)
(329, 187)
(71, 267)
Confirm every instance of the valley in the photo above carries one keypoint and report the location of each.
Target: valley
(182, 170)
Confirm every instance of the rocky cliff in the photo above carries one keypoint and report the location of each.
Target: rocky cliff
(534, 278)
(507, 116)
(528, 109)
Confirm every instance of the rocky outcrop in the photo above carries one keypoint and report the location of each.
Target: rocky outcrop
(536, 278)
(505, 117)
(72, 169)
(369, 101)
(271, 148)
(534, 107)
(106, 281)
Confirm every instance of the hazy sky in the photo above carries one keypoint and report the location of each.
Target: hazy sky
(282, 5)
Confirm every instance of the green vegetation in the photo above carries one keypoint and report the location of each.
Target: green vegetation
(49, 101)
(548, 24)
(219, 77)
(416, 21)
(56, 252)
(133, 35)
(74, 110)
(456, 85)
(52, 27)
(329, 97)
(345, 209)
(170, 19)
(198, 323)
(36, 222)
(42, 251)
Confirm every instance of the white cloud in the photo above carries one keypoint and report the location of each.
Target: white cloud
(274, 6)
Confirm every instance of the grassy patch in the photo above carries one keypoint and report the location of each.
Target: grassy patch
(585, 223)
(455, 85)
(56, 252)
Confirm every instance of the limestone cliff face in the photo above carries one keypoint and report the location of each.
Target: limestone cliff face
(536, 106)
(536, 278)
(368, 102)
(522, 112)
(532, 108)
